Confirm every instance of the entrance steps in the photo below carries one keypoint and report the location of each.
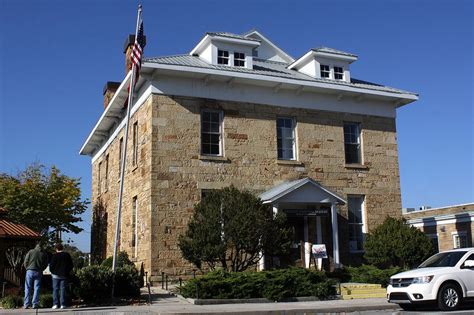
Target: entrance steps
(350, 291)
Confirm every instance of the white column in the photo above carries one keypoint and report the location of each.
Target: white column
(335, 235)
(307, 249)
(319, 240)
(261, 262)
(275, 209)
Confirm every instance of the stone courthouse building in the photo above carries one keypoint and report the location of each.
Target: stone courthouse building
(303, 134)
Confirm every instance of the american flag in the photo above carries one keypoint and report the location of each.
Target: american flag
(137, 51)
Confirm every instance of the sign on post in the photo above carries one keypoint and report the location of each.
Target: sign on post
(319, 251)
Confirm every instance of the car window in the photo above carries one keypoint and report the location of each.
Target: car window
(471, 257)
(446, 259)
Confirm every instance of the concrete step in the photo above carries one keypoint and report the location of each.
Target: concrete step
(352, 285)
(345, 291)
(364, 296)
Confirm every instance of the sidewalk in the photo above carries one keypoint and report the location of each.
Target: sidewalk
(164, 303)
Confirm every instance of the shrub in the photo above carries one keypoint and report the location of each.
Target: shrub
(46, 300)
(127, 282)
(395, 243)
(372, 274)
(95, 282)
(122, 260)
(275, 285)
(11, 301)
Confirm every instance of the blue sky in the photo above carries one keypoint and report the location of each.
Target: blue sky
(56, 56)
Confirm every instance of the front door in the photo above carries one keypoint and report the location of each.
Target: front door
(297, 248)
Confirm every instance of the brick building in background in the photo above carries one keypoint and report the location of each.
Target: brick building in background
(303, 134)
(448, 227)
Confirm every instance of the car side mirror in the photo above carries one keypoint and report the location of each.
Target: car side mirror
(468, 264)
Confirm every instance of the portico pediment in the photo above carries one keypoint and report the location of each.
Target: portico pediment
(304, 190)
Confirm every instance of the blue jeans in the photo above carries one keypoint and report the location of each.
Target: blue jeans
(59, 290)
(32, 281)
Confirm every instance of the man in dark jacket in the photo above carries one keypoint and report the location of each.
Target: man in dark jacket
(35, 263)
(60, 267)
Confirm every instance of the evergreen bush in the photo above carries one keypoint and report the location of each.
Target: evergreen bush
(275, 285)
(11, 301)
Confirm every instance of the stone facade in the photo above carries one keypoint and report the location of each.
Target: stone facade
(444, 224)
(171, 173)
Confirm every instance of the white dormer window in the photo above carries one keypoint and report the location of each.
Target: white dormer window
(338, 73)
(239, 59)
(324, 71)
(223, 57)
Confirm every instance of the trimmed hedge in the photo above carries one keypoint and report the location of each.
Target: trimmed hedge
(275, 285)
(364, 274)
(95, 282)
(372, 274)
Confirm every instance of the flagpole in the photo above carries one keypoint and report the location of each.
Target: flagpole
(124, 154)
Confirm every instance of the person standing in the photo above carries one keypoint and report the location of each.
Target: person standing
(35, 263)
(60, 267)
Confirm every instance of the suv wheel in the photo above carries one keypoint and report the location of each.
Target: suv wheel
(449, 297)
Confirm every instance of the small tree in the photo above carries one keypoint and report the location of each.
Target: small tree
(232, 228)
(395, 243)
(46, 201)
(98, 232)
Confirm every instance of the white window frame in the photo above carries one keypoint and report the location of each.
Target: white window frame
(243, 60)
(221, 132)
(293, 124)
(457, 236)
(342, 73)
(106, 172)
(328, 71)
(134, 242)
(120, 156)
(359, 127)
(223, 57)
(135, 143)
(363, 224)
(99, 179)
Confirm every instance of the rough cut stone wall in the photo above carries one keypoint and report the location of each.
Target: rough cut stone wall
(137, 183)
(179, 173)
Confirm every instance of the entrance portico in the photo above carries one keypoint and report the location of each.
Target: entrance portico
(305, 201)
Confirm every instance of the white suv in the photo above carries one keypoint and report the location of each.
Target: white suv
(446, 277)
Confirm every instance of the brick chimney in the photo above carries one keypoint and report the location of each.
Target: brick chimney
(127, 50)
(109, 91)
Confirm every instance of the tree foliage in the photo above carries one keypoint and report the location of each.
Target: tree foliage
(231, 229)
(395, 243)
(98, 232)
(47, 201)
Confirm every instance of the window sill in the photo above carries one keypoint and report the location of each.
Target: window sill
(213, 158)
(290, 162)
(356, 166)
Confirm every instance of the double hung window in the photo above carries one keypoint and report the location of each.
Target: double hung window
(286, 138)
(223, 57)
(324, 71)
(338, 73)
(239, 59)
(211, 132)
(352, 143)
(356, 223)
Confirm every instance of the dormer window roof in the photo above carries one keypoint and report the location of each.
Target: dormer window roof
(332, 52)
(223, 37)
